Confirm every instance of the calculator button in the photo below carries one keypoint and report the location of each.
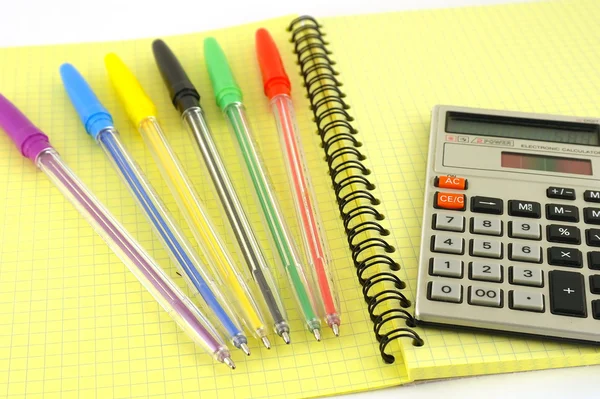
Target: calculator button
(591, 215)
(561, 256)
(595, 284)
(596, 308)
(449, 222)
(567, 293)
(563, 233)
(531, 276)
(487, 205)
(485, 271)
(448, 244)
(446, 267)
(565, 213)
(445, 291)
(592, 237)
(560, 193)
(450, 201)
(453, 182)
(526, 209)
(487, 226)
(525, 229)
(484, 296)
(594, 260)
(591, 196)
(525, 252)
(486, 248)
(525, 300)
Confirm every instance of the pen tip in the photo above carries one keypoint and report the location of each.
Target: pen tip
(229, 362)
(336, 329)
(266, 342)
(317, 334)
(245, 348)
(286, 337)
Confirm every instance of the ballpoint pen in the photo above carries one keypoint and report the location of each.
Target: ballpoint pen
(223, 81)
(278, 89)
(35, 145)
(186, 99)
(99, 124)
(141, 112)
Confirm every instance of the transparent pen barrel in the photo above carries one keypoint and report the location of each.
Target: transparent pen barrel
(191, 268)
(160, 286)
(282, 241)
(305, 204)
(233, 212)
(213, 248)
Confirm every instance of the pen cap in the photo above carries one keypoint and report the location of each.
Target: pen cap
(224, 85)
(181, 89)
(275, 80)
(131, 94)
(27, 137)
(92, 113)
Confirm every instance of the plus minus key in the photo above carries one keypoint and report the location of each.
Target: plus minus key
(560, 193)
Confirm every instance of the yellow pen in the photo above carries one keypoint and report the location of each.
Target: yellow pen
(142, 113)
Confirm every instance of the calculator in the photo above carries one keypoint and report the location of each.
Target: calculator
(511, 225)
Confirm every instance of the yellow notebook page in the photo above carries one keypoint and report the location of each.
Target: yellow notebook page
(535, 57)
(74, 322)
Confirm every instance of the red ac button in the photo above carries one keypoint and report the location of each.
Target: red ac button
(453, 182)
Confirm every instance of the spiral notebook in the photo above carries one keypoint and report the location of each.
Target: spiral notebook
(73, 320)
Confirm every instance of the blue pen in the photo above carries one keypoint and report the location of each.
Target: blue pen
(99, 124)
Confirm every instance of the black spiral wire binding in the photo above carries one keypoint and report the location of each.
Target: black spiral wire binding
(353, 190)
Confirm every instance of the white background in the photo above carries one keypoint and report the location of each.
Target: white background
(29, 22)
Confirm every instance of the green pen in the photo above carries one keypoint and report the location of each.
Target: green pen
(229, 98)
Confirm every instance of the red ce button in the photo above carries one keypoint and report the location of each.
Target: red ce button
(449, 201)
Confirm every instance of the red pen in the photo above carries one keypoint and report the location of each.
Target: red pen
(278, 88)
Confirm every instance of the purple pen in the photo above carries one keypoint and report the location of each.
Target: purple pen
(34, 144)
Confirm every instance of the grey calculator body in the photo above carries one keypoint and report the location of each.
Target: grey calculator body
(511, 226)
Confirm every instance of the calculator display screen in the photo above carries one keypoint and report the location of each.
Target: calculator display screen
(523, 128)
(546, 163)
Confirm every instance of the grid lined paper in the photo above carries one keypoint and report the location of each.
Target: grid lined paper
(533, 57)
(75, 322)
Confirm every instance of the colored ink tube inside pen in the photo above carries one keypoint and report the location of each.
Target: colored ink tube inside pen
(277, 88)
(35, 145)
(186, 99)
(229, 99)
(142, 112)
(99, 125)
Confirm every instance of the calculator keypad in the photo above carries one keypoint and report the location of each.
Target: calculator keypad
(591, 215)
(526, 229)
(565, 213)
(525, 252)
(485, 296)
(565, 256)
(446, 267)
(448, 244)
(526, 275)
(532, 301)
(487, 226)
(446, 291)
(449, 222)
(485, 271)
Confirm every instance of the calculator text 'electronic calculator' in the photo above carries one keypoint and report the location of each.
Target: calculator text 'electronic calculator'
(511, 227)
